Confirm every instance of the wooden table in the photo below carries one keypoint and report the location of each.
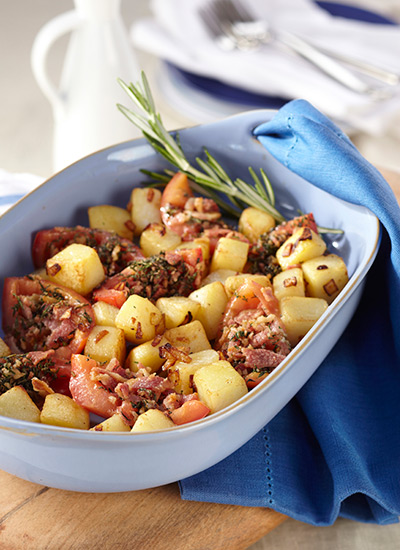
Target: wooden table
(34, 517)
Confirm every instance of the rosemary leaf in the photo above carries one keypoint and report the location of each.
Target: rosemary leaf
(212, 176)
(157, 176)
(268, 187)
(220, 172)
(214, 182)
(258, 185)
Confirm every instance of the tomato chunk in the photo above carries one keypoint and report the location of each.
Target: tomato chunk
(176, 192)
(110, 295)
(189, 412)
(87, 392)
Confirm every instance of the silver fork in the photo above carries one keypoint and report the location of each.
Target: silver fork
(234, 27)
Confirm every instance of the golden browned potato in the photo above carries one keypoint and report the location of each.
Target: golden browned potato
(229, 254)
(61, 410)
(148, 354)
(289, 283)
(16, 403)
(157, 238)
(113, 424)
(185, 370)
(151, 420)
(178, 310)
(111, 218)
(145, 207)
(78, 267)
(105, 343)
(190, 338)
(303, 245)
(104, 314)
(299, 314)
(219, 385)
(325, 276)
(254, 222)
(139, 319)
(212, 299)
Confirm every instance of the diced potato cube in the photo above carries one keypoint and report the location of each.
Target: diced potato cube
(325, 276)
(16, 403)
(219, 385)
(105, 343)
(218, 275)
(139, 319)
(254, 222)
(113, 424)
(289, 283)
(145, 207)
(229, 254)
(190, 338)
(177, 310)
(303, 245)
(212, 299)
(148, 354)
(78, 267)
(105, 314)
(111, 218)
(4, 349)
(185, 371)
(151, 420)
(157, 238)
(61, 410)
(299, 314)
(200, 242)
(234, 282)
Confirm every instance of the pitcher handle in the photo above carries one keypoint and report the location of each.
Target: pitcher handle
(48, 34)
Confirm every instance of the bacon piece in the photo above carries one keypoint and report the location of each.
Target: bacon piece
(166, 274)
(261, 359)
(252, 335)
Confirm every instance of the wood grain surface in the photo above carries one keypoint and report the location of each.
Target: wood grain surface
(33, 517)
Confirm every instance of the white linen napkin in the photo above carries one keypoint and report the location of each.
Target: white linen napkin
(14, 186)
(175, 33)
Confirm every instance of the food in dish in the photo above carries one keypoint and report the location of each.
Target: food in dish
(166, 332)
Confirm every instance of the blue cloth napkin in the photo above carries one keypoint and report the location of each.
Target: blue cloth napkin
(334, 450)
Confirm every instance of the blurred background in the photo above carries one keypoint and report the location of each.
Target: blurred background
(26, 143)
(27, 124)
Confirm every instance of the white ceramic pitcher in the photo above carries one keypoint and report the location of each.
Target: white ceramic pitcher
(85, 114)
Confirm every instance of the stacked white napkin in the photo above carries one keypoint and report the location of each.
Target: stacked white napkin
(13, 186)
(176, 33)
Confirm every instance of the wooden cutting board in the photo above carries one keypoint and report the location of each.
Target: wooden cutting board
(34, 517)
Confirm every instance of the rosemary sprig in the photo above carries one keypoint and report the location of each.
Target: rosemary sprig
(212, 178)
